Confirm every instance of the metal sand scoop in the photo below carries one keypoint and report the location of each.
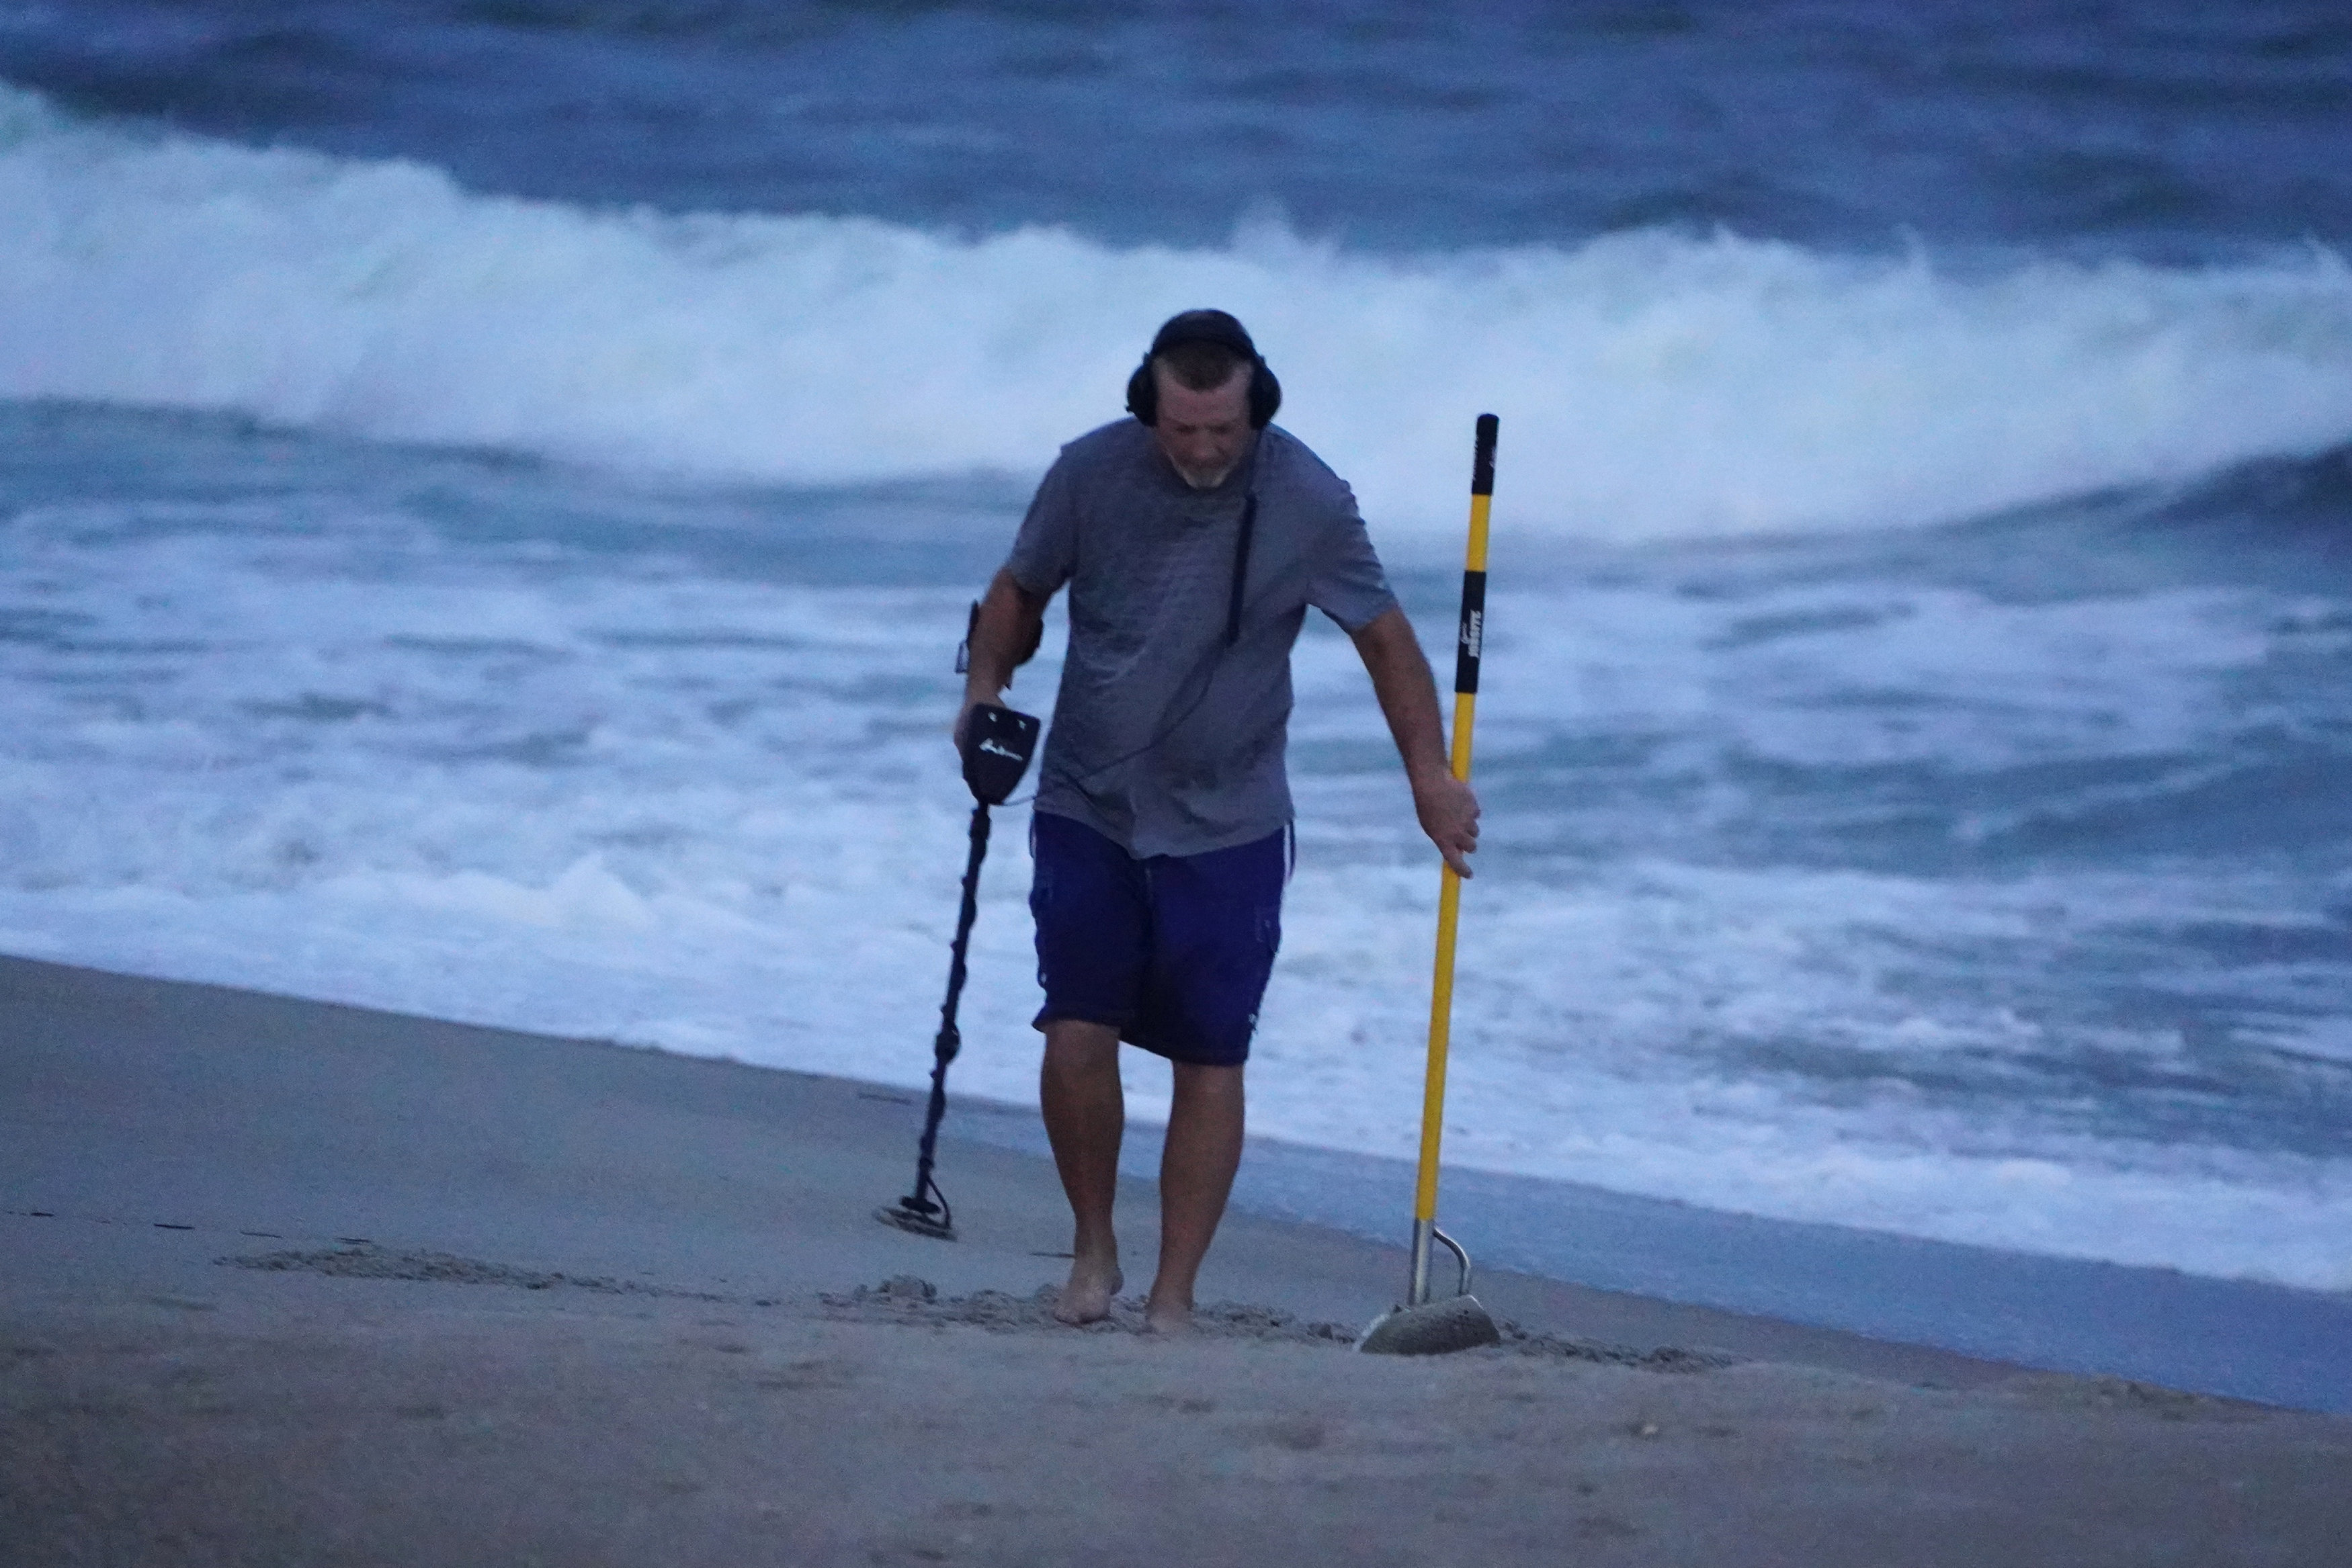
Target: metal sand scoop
(1423, 1326)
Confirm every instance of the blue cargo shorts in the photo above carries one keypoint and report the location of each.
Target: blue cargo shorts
(1173, 951)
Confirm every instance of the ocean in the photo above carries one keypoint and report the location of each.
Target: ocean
(489, 493)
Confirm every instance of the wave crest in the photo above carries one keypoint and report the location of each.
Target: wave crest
(1652, 385)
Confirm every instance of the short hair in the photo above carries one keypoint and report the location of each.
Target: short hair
(1204, 366)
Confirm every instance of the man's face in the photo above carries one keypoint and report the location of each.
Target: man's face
(1203, 434)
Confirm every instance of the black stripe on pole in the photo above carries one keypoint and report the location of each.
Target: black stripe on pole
(1482, 466)
(1473, 632)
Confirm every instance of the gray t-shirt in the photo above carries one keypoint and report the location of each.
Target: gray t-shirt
(1165, 740)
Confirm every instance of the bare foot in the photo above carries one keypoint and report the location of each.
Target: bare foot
(1086, 1298)
(1166, 1317)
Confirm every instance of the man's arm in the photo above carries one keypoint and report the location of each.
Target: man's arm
(1012, 621)
(1447, 807)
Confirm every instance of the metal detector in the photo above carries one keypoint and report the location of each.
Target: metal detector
(997, 743)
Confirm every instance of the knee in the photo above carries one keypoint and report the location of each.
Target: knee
(1208, 1085)
(1077, 1046)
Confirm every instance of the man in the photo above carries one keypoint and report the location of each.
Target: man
(1192, 537)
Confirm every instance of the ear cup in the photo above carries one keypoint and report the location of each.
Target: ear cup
(1266, 395)
(1143, 393)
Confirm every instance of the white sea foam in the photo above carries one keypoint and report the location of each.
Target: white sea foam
(1651, 385)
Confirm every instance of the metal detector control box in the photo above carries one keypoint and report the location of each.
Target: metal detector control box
(997, 744)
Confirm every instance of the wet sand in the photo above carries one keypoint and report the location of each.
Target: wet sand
(288, 1282)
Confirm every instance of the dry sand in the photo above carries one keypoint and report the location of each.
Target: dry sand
(289, 1283)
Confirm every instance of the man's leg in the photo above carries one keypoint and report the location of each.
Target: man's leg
(1086, 1116)
(1196, 1174)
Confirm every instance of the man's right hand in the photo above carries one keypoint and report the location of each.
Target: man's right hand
(1003, 636)
(962, 725)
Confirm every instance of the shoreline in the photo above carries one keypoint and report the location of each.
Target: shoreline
(1726, 1273)
(419, 1110)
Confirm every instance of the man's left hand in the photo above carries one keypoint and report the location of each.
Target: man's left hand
(1448, 809)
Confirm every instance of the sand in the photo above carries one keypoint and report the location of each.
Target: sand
(282, 1282)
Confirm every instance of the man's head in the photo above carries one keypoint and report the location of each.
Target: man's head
(1205, 392)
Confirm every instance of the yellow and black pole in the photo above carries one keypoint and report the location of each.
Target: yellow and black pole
(1468, 642)
(1419, 1328)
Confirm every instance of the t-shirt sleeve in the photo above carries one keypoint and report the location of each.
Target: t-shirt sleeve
(1045, 550)
(1347, 583)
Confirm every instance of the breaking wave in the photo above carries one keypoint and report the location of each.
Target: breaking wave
(1652, 385)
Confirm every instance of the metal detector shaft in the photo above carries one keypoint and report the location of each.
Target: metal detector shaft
(996, 743)
(1468, 642)
(926, 1195)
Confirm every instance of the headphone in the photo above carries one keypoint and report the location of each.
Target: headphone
(1204, 327)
